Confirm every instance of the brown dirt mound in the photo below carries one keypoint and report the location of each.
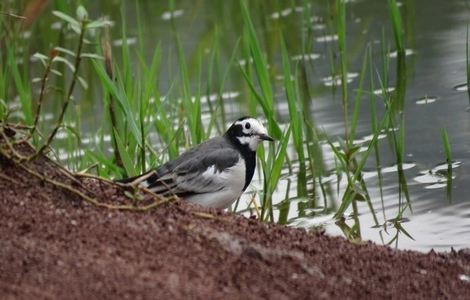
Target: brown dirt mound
(55, 246)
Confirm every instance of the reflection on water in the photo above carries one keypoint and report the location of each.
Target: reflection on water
(408, 52)
(462, 87)
(437, 177)
(305, 57)
(336, 80)
(435, 65)
(426, 100)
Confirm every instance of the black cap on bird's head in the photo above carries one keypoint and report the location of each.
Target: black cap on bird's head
(248, 131)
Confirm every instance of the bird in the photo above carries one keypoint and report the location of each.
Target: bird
(214, 173)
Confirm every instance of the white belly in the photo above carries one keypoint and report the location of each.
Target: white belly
(233, 180)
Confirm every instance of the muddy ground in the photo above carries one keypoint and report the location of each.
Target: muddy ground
(53, 245)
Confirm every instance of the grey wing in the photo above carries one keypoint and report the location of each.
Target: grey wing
(196, 173)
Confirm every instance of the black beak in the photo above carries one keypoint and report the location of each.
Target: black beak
(265, 137)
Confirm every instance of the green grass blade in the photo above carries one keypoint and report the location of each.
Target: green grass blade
(295, 113)
(358, 98)
(266, 97)
(275, 172)
(397, 25)
(119, 95)
(341, 29)
(22, 88)
(446, 143)
(127, 161)
(467, 55)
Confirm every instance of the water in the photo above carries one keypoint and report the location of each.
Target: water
(436, 98)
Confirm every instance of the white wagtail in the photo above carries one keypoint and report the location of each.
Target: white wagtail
(214, 173)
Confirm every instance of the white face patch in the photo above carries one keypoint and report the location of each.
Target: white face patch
(252, 128)
(252, 141)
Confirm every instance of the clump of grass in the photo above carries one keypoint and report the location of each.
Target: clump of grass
(347, 155)
(80, 24)
(265, 99)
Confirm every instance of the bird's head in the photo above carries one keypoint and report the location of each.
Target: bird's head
(248, 131)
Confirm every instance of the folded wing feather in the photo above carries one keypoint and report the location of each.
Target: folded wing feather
(201, 172)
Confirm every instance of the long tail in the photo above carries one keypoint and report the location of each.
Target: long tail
(148, 176)
(151, 180)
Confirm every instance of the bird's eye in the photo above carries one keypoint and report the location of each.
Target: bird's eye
(247, 125)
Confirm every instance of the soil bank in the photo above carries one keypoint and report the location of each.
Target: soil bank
(53, 245)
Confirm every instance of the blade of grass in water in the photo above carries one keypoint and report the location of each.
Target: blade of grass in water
(397, 102)
(341, 30)
(400, 153)
(295, 113)
(374, 128)
(358, 99)
(354, 120)
(467, 56)
(446, 143)
(448, 153)
(266, 98)
(397, 25)
(275, 174)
